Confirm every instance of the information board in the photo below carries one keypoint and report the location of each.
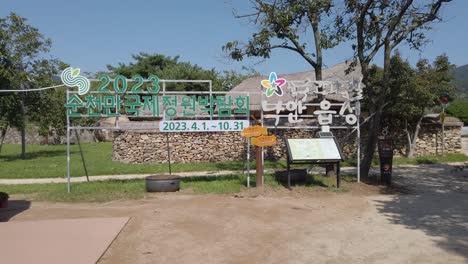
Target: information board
(313, 149)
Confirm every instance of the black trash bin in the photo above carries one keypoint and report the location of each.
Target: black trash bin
(386, 159)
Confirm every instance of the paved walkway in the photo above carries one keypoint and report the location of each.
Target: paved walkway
(71, 241)
(142, 176)
(182, 174)
(116, 177)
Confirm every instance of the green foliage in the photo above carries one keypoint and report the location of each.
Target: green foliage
(415, 91)
(461, 82)
(170, 68)
(103, 191)
(22, 48)
(45, 161)
(285, 24)
(459, 109)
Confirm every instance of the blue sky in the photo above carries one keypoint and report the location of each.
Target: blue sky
(91, 34)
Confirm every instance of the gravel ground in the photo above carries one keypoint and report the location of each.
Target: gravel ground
(422, 219)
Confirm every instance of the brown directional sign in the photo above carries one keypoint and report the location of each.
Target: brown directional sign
(264, 141)
(442, 117)
(254, 131)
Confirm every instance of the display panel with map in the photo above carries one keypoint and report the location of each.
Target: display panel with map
(313, 149)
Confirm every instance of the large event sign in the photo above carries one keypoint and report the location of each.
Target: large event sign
(141, 97)
(301, 94)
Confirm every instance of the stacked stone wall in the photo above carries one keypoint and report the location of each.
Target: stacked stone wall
(151, 147)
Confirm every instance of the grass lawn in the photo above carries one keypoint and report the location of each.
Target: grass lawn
(50, 161)
(103, 191)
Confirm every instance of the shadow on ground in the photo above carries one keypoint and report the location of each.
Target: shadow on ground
(298, 177)
(436, 203)
(14, 207)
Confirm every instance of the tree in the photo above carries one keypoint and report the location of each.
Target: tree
(46, 106)
(20, 47)
(382, 25)
(414, 93)
(170, 68)
(283, 24)
(459, 109)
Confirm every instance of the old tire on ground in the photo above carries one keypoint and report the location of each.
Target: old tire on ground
(162, 183)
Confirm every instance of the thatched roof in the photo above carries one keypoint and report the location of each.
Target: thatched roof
(336, 72)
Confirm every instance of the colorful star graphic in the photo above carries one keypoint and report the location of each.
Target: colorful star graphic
(273, 85)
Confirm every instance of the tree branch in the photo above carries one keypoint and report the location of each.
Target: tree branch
(431, 16)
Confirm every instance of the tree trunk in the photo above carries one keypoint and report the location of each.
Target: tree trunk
(2, 137)
(414, 139)
(371, 143)
(329, 168)
(375, 107)
(408, 138)
(23, 126)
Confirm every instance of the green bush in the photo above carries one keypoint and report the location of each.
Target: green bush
(459, 110)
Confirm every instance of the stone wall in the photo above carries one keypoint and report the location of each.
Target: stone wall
(148, 147)
(429, 141)
(151, 147)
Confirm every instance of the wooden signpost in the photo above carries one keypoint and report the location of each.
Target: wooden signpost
(259, 138)
(254, 131)
(264, 141)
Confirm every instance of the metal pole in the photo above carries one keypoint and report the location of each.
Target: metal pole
(168, 154)
(358, 141)
(68, 146)
(248, 162)
(338, 176)
(211, 101)
(81, 153)
(261, 115)
(259, 160)
(248, 152)
(443, 133)
(23, 129)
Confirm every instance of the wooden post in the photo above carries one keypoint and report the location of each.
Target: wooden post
(258, 166)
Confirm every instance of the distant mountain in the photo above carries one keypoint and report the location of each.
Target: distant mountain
(461, 81)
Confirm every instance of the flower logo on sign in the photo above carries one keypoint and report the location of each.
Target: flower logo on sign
(71, 78)
(273, 85)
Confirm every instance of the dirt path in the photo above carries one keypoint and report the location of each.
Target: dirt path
(426, 224)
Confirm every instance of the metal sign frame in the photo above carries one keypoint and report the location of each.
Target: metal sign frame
(357, 107)
(164, 92)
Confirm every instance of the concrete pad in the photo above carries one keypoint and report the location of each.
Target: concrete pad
(58, 241)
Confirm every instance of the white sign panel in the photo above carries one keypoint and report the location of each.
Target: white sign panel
(314, 149)
(202, 125)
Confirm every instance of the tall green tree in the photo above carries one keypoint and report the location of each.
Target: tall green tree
(381, 26)
(459, 109)
(285, 24)
(170, 68)
(21, 46)
(46, 107)
(415, 93)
